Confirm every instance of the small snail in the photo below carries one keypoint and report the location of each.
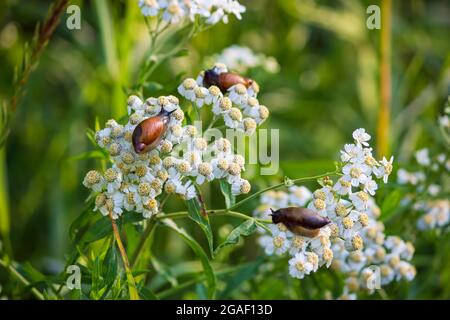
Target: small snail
(301, 221)
(149, 132)
(224, 80)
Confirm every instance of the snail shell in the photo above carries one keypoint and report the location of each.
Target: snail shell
(301, 221)
(224, 80)
(149, 132)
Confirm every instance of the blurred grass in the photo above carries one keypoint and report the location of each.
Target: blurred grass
(327, 87)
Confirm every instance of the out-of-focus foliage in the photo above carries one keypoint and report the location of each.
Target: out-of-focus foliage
(326, 87)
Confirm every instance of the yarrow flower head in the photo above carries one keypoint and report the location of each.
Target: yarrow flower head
(237, 104)
(175, 11)
(354, 239)
(145, 167)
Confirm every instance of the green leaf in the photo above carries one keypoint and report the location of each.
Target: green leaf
(245, 229)
(96, 281)
(111, 264)
(147, 294)
(91, 136)
(81, 221)
(201, 292)
(165, 272)
(207, 268)
(97, 124)
(225, 187)
(243, 274)
(153, 86)
(390, 203)
(98, 230)
(194, 210)
(182, 53)
(29, 272)
(94, 154)
(102, 227)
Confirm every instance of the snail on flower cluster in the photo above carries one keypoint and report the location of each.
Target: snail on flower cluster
(149, 132)
(301, 221)
(224, 80)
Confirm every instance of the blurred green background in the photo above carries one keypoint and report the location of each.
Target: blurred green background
(327, 86)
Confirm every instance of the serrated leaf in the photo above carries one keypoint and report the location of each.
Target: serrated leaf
(207, 268)
(194, 210)
(225, 187)
(245, 229)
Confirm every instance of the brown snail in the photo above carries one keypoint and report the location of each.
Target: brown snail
(224, 80)
(149, 132)
(301, 221)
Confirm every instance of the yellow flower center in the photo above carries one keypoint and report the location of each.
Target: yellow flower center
(355, 172)
(278, 241)
(319, 204)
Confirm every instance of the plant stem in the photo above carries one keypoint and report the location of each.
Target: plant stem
(213, 212)
(22, 279)
(147, 72)
(44, 34)
(214, 119)
(147, 233)
(142, 242)
(230, 212)
(385, 80)
(254, 195)
(130, 279)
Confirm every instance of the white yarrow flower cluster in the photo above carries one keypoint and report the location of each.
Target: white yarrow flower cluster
(241, 59)
(176, 11)
(347, 203)
(238, 107)
(382, 260)
(430, 181)
(135, 181)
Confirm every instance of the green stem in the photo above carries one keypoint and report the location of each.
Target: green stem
(383, 125)
(151, 68)
(243, 201)
(213, 121)
(130, 279)
(212, 212)
(21, 278)
(146, 235)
